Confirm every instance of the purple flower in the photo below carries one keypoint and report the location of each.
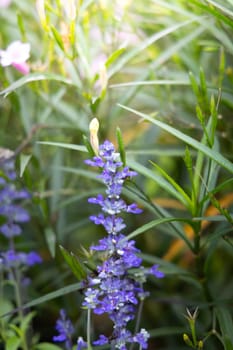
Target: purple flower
(11, 258)
(65, 330)
(101, 341)
(141, 338)
(115, 290)
(156, 272)
(81, 344)
(10, 209)
(13, 214)
(33, 258)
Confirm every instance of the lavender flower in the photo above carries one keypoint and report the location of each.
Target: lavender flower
(11, 258)
(10, 209)
(13, 214)
(81, 344)
(65, 330)
(115, 290)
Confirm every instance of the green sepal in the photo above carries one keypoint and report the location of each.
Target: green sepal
(88, 146)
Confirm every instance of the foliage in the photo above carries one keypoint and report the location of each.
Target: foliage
(158, 76)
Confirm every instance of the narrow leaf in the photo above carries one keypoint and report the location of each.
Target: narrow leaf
(216, 156)
(157, 222)
(224, 317)
(34, 77)
(50, 296)
(186, 199)
(163, 183)
(47, 346)
(24, 160)
(76, 267)
(51, 240)
(121, 146)
(112, 58)
(57, 37)
(64, 145)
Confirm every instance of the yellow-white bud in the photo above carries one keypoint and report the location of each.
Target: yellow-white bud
(94, 127)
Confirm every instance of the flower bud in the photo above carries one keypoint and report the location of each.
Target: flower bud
(187, 340)
(94, 127)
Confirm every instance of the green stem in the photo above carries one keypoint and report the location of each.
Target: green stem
(89, 329)
(139, 314)
(16, 274)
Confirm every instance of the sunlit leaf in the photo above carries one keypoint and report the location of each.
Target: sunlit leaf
(217, 157)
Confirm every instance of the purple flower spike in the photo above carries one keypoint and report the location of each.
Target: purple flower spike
(114, 289)
(13, 214)
(11, 258)
(65, 330)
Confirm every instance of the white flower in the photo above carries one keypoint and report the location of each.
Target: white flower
(5, 3)
(16, 53)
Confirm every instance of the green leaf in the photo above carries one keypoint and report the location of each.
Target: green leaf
(203, 85)
(32, 78)
(224, 317)
(216, 156)
(75, 265)
(50, 237)
(50, 296)
(112, 58)
(64, 145)
(46, 346)
(194, 84)
(21, 25)
(151, 82)
(158, 179)
(222, 64)
(220, 7)
(57, 37)
(26, 322)
(157, 222)
(149, 41)
(216, 13)
(24, 160)
(121, 146)
(13, 343)
(186, 200)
